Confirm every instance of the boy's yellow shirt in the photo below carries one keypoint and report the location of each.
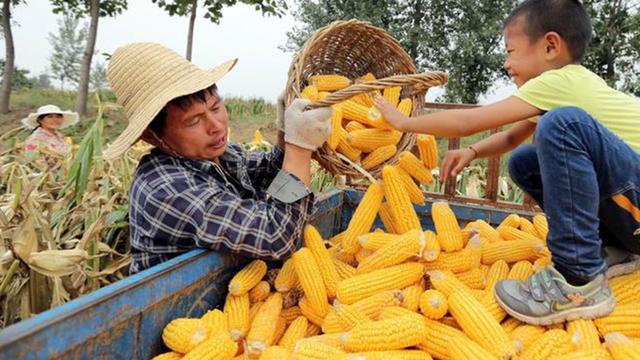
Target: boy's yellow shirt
(574, 85)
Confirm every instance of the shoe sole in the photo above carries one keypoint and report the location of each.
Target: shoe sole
(623, 269)
(591, 312)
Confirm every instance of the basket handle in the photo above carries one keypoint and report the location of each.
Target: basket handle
(419, 82)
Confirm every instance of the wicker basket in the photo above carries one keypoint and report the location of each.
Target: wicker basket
(353, 48)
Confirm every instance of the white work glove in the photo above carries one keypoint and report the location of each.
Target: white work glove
(307, 129)
(280, 113)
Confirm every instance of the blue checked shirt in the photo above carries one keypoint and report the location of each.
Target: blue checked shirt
(251, 207)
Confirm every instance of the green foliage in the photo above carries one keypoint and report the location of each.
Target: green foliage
(81, 8)
(20, 77)
(67, 49)
(213, 8)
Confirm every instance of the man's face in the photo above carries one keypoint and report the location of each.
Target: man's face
(525, 59)
(198, 132)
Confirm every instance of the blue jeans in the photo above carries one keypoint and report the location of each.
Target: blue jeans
(587, 180)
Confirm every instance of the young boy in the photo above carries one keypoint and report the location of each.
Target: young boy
(583, 170)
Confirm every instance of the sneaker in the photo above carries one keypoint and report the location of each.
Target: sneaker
(620, 262)
(546, 298)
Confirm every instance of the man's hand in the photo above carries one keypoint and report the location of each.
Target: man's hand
(454, 161)
(389, 113)
(307, 129)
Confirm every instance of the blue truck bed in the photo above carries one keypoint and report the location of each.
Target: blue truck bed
(124, 320)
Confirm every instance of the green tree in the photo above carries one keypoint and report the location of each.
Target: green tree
(98, 76)
(462, 37)
(67, 46)
(213, 11)
(21, 78)
(10, 55)
(95, 9)
(615, 49)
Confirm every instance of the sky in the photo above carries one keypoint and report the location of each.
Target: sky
(243, 33)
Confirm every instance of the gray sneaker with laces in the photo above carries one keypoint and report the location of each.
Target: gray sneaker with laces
(546, 298)
(620, 261)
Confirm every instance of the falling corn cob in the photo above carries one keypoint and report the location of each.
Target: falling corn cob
(311, 281)
(415, 193)
(336, 128)
(447, 228)
(363, 217)
(414, 167)
(403, 214)
(368, 140)
(379, 156)
(314, 242)
(428, 150)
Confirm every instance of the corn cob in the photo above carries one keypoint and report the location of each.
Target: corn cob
(428, 150)
(621, 347)
(585, 354)
(247, 278)
(311, 281)
(310, 313)
(433, 304)
(338, 254)
(310, 92)
(316, 350)
(313, 241)
(387, 218)
(219, 346)
(488, 231)
(363, 217)
(343, 318)
(462, 348)
(368, 140)
(171, 355)
(281, 327)
(364, 285)
(327, 339)
(336, 127)
(447, 228)
(329, 82)
(474, 278)
(512, 220)
(215, 320)
(375, 240)
(541, 226)
(415, 193)
(290, 314)
(459, 261)
(344, 270)
(408, 245)
(389, 334)
(479, 325)
(259, 292)
(287, 277)
(372, 306)
(405, 106)
(511, 251)
(626, 288)
(354, 125)
(499, 270)
(354, 111)
(511, 233)
(362, 254)
(411, 297)
(525, 335)
(624, 319)
(402, 212)
(584, 333)
(488, 301)
(438, 337)
(346, 149)
(261, 334)
(432, 248)
(183, 335)
(552, 343)
(446, 282)
(237, 310)
(275, 353)
(312, 330)
(323, 94)
(414, 167)
(398, 311)
(296, 331)
(378, 156)
(521, 270)
(527, 226)
(390, 355)
(510, 324)
(392, 94)
(363, 99)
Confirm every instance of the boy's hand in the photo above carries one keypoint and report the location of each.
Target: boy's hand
(454, 161)
(389, 113)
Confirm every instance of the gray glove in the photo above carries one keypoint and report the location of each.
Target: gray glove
(280, 113)
(307, 129)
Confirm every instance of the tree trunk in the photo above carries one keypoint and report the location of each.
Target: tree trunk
(7, 79)
(85, 70)
(192, 21)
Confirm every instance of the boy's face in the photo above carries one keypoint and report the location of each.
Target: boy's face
(525, 59)
(199, 132)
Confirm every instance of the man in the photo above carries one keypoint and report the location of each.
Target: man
(194, 190)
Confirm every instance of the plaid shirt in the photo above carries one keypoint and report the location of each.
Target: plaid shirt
(251, 207)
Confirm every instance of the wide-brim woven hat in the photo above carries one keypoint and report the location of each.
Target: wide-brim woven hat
(69, 117)
(145, 77)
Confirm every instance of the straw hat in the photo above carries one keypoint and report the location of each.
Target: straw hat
(69, 117)
(144, 78)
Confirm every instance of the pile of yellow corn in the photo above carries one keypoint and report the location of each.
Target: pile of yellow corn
(359, 131)
(403, 293)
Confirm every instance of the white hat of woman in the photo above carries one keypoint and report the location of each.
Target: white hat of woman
(69, 117)
(145, 77)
